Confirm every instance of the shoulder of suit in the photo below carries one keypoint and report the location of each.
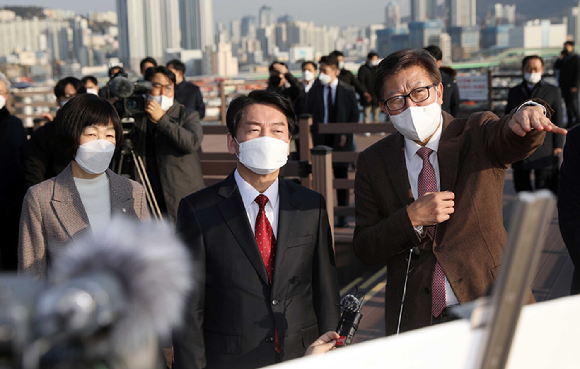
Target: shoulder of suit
(42, 190)
(122, 181)
(380, 146)
(299, 190)
(346, 86)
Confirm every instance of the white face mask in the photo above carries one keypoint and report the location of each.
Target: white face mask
(92, 91)
(324, 79)
(340, 65)
(2, 102)
(263, 155)
(307, 75)
(533, 78)
(418, 122)
(95, 156)
(164, 101)
(374, 62)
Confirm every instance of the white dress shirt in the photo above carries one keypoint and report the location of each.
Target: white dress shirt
(414, 165)
(249, 194)
(308, 85)
(332, 86)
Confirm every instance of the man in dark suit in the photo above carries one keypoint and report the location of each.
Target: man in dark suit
(366, 76)
(568, 65)
(348, 78)
(263, 246)
(436, 185)
(542, 161)
(569, 203)
(334, 102)
(283, 82)
(450, 90)
(186, 93)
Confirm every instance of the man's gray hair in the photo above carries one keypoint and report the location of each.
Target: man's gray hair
(4, 79)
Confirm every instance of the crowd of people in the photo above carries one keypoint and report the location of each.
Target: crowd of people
(428, 197)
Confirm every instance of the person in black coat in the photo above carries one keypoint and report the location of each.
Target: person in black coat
(569, 203)
(569, 80)
(346, 76)
(12, 139)
(366, 75)
(544, 160)
(450, 89)
(283, 82)
(43, 157)
(186, 93)
(344, 109)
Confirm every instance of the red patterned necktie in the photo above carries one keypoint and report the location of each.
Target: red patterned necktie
(266, 244)
(428, 183)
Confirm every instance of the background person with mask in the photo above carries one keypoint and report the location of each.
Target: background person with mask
(186, 93)
(283, 82)
(168, 138)
(269, 287)
(568, 64)
(43, 157)
(543, 162)
(436, 185)
(332, 101)
(91, 85)
(348, 78)
(366, 76)
(309, 80)
(84, 196)
(12, 140)
(450, 89)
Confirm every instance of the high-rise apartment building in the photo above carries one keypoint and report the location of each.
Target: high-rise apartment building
(197, 24)
(266, 17)
(146, 28)
(393, 15)
(422, 10)
(462, 13)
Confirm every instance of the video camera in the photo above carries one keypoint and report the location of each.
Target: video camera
(132, 96)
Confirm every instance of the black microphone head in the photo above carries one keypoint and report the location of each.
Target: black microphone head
(151, 264)
(121, 86)
(415, 252)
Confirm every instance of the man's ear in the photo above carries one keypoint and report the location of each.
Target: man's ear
(231, 144)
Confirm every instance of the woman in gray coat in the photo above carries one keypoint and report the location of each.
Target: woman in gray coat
(83, 197)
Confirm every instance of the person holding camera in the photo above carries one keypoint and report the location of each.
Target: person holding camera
(168, 138)
(83, 197)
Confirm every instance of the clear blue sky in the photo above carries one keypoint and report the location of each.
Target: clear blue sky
(337, 12)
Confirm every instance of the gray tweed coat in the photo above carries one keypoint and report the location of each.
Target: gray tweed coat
(53, 214)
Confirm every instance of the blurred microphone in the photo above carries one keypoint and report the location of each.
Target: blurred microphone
(121, 87)
(131, 279)
(349, 320)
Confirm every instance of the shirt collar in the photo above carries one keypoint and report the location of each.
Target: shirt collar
(249, 193)
(333, 84)
(411, 146)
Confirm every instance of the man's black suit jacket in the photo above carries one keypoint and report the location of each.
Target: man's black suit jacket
(233, 310)
(189, 95)
(543, 157)
(569, 202)
(346, 112)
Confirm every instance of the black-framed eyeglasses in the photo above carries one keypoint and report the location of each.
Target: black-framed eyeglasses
(159, 86)
(417, 95)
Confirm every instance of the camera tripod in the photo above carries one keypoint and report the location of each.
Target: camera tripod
(138, 170)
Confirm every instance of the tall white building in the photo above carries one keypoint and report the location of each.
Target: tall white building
(197, 24)
(146, 28)
(462, 13)
(266, 17)
(393, 15)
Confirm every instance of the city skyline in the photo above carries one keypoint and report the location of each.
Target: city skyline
(305, 10)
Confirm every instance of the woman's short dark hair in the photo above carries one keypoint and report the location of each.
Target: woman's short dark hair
(404, 59)
(78, 85)
(82, 111)
(151, 72)
(238, 107)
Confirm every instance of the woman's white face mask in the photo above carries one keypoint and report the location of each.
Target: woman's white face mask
(263, 155)
(95, 156)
